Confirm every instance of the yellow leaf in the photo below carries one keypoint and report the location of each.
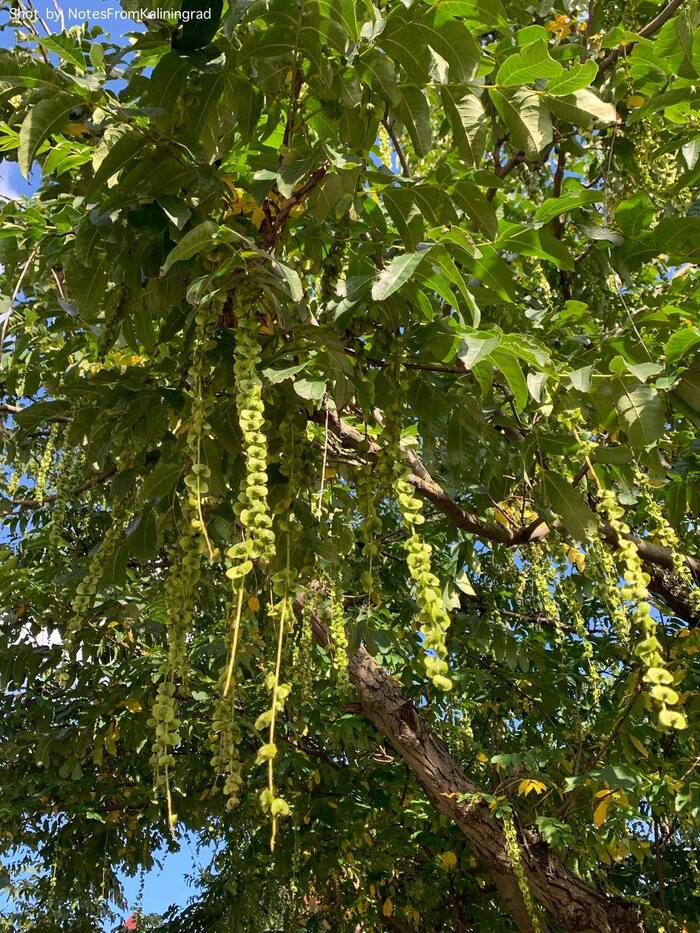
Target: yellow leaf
(503, 515)
(257, 217)
(482, 758)
(254, 604)
(524, 787)
(112, 816)
(447, 860)
(388, 908)
(132, 704)
(638, 745)
(75, 129)
(601, 811)
(634, 100)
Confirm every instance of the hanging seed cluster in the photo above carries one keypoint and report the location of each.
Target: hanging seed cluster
(252, 507)
(67, 476)
(432, 615)
(649, 648)
(110, 328)
(337, 636)
(87, 588)
(666, 535)
(225, 739)
(543, 574)
(516, 863)
(165, 723)
(385, 147)
(603, 569)
(197, 479)
(371, 527)
(180, 587)
(45, 465)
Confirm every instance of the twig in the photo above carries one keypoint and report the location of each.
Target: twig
(16, 291)
(34, 503)
(405, 171)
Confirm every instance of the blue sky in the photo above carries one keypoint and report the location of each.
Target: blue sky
(165, 885)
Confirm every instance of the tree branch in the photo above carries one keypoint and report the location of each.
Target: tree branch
(657, 558)
(645, 32)
(34, 503)
(405, 171)
(274, 223)
(574, 905)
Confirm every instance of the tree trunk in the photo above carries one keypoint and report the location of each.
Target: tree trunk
(574, 905)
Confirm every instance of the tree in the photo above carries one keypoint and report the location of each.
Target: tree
(351, 394)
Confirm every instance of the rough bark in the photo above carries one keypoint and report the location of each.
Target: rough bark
(573, 905)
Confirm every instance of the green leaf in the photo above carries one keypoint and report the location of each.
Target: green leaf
(495, 274)
(582, 108)
(160, 483)
(291, 279)
(66, 48)
(513, 374)
(313, 389)
(641, 413)
(471, 199)
(415, 113)
(142, 539)
(193, 242)
(123, 151)
(383, 75)
(197, 31)
(554, 207)
(274, 376)
(44, 119)
(474, 348)
(575, 513)
(526, 66)
(688, 389)
(453, 42)
(580, 379)
(166, 82)
(680, 343)
(396, 274)
(526, 117)
(33, 73)
(114, 573)
(577, 77)
(643, 371)
(468, 121)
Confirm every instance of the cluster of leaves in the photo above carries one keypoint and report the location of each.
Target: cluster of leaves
(465, 174)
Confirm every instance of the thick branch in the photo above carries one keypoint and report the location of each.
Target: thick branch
(666, 585)
(274, 224)
(574, 905)
(425, 485)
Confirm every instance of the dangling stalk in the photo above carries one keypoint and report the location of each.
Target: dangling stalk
(234, 640)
